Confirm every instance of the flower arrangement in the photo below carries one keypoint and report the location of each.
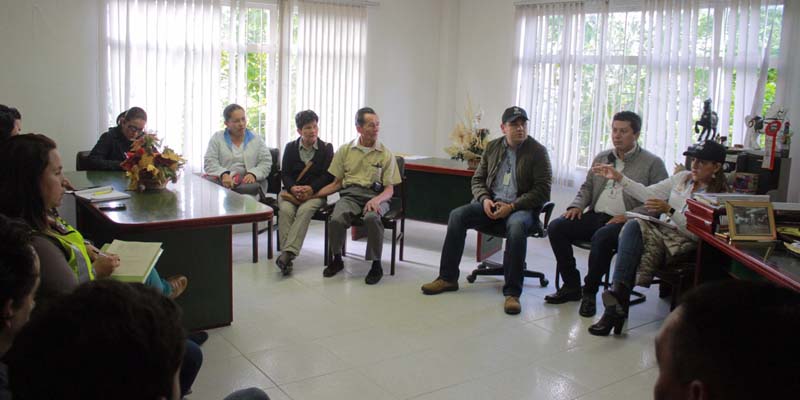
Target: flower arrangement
(469, 141)
(147, 167)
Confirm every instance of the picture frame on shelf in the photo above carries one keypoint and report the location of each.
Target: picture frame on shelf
(750, 220)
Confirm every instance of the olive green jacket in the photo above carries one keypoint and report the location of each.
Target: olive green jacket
(534, 175)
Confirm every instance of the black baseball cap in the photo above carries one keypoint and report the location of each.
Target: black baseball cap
(513, 114)
(708, 150)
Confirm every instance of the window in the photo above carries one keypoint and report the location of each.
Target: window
(579, 63)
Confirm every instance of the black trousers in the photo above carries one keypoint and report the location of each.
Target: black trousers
(592, 226)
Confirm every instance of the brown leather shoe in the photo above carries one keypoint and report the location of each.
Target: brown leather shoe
(439, 286)
(178, 284)
(512, 306)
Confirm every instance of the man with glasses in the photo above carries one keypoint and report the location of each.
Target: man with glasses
(510, 187)
(110, 149)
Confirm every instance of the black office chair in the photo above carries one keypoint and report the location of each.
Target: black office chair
(394, 218)
(273, 187)
(82, 160)
(492, 268)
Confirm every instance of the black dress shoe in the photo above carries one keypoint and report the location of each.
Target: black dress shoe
(563, 295)
(333, 268)
(588, 306)
(374, 275)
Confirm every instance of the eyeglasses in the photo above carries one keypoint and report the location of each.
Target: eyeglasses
(135, 129)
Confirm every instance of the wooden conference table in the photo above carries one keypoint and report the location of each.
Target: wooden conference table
(434, 187)
(193, 219)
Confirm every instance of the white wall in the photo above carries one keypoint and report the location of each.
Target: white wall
(403, 51)
(50, 68)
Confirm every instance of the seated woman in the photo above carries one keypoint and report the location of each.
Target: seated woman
(645, 246)
(236, 157)
(110, 149)
(10, 122)
(30, 167)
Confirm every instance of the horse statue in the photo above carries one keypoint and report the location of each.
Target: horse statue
(708, 121)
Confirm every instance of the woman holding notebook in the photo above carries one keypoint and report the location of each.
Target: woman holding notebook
(644, 246)
(30, 169)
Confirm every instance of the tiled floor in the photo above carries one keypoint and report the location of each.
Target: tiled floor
(307, 337)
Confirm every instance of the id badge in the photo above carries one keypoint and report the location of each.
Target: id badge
(507, 179)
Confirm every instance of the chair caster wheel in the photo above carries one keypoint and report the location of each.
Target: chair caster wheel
(543, 282)
(471, 278)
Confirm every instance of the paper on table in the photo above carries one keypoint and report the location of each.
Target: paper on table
(137, 259)
(631, 214)
(103, 193)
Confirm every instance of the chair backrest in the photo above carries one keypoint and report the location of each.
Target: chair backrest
(398, 201)
(82, 160)
(274, 183)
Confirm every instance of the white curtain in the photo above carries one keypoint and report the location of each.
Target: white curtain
(328, 57)
(670, 55)
(548, 77)
(578, 63)
(163, 56)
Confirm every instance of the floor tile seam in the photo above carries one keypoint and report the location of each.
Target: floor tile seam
(615, 382)
(296, 381)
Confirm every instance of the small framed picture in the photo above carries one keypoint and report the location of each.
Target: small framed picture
(750, 220)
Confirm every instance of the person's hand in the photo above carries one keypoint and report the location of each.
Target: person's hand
(607, 171)
(249, 178)
(617, 219)
(657, 205)
(297, 191)
(105, 264)
(227, 181)
(373, 204)
(502, 210)
(573, 213)
(92, 251)
(488, 208)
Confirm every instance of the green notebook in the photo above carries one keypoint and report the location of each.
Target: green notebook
(137, 259)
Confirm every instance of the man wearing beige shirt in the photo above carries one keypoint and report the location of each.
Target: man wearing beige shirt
(365, 172)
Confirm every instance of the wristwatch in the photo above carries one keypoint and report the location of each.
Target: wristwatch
(671, 211)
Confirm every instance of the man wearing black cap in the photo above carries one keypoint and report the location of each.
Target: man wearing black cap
(598, 213)
(510, 186)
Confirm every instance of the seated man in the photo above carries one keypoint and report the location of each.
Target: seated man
(237, 157)
(10, 122)
(110, 150)
(605, 216)
(305, 172)
(105, 340)
(365, 171)
(730, 340)
(510, 187)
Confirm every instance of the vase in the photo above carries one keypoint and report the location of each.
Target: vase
(473, 163)
(149, 184)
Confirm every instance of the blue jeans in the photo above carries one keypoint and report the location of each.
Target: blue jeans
(154, 280)
(192, 361)
(629, 254)
(471, 216)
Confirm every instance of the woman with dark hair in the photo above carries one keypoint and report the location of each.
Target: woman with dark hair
(10, 122)
(30, 168)
(19, 278)
(110, 149)
(646, 246)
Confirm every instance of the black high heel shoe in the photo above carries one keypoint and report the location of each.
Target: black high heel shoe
(615, 314)
(613, 318)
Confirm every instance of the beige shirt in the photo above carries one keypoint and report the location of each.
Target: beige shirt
(360, 166)
(306, 154)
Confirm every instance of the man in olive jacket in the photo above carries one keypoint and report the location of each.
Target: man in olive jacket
(510, 187)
